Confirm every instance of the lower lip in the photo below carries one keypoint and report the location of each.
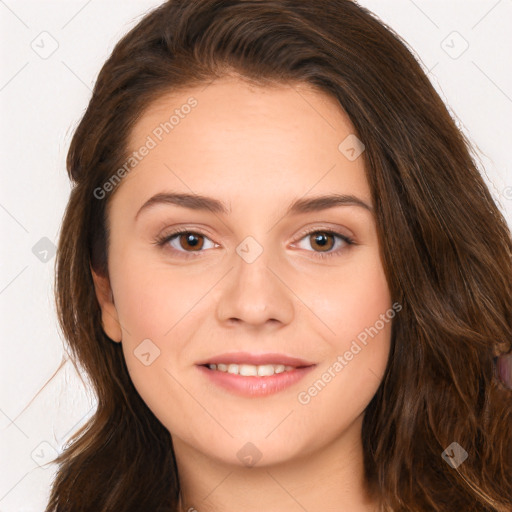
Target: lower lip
(256, 386)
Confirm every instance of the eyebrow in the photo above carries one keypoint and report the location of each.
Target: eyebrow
(204, 203)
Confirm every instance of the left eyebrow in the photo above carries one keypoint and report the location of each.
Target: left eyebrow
(304, 205)
(319, 203)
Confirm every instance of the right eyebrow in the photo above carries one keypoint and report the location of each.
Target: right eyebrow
(192, 201)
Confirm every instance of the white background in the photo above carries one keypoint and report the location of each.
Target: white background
(42, 400)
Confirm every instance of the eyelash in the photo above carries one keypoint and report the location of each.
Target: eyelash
(161, 241)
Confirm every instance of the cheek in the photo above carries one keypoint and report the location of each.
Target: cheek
(160, 309)
(352, 299)
(357, 309)
(153, 298)
(355, 362)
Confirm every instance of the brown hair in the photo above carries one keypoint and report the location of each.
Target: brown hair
(445, 247)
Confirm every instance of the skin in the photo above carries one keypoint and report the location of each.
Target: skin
(257, 150)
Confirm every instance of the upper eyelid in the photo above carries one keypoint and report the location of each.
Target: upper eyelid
(333, 231)
(303, 234)
(310, 229)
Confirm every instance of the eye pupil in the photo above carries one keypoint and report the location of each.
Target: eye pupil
(318, 239)
(189, 237)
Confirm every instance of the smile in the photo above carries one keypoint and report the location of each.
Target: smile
(251, 370)
(253, 381)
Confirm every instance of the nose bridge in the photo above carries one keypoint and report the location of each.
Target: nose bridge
(254, 294)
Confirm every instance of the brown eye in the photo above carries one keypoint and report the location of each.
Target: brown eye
(326, 243)
(189, 240)
(322, 240)
(186, 242)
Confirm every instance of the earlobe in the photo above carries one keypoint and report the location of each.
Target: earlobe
(109, 317)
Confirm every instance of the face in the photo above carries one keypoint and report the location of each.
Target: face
(258, 273)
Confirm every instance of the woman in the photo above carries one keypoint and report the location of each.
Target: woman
(332, 343)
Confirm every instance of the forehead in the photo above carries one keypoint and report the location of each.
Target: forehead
(254, 143)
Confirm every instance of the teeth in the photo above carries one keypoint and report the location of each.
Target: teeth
(233, 368)
(250, 370)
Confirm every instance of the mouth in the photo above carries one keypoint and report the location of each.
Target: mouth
(251, 370)
(254, 374)
(247, 358)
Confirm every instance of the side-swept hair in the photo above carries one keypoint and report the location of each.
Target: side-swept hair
(445, 247)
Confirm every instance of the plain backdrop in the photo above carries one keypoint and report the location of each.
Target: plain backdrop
(51, 54)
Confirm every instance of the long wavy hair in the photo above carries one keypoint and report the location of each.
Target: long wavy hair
(445, 247)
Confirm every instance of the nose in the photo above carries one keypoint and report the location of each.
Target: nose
(255, 292)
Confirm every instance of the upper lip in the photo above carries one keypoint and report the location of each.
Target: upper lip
(255, 359)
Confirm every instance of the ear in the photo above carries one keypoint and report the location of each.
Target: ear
(109, 318)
